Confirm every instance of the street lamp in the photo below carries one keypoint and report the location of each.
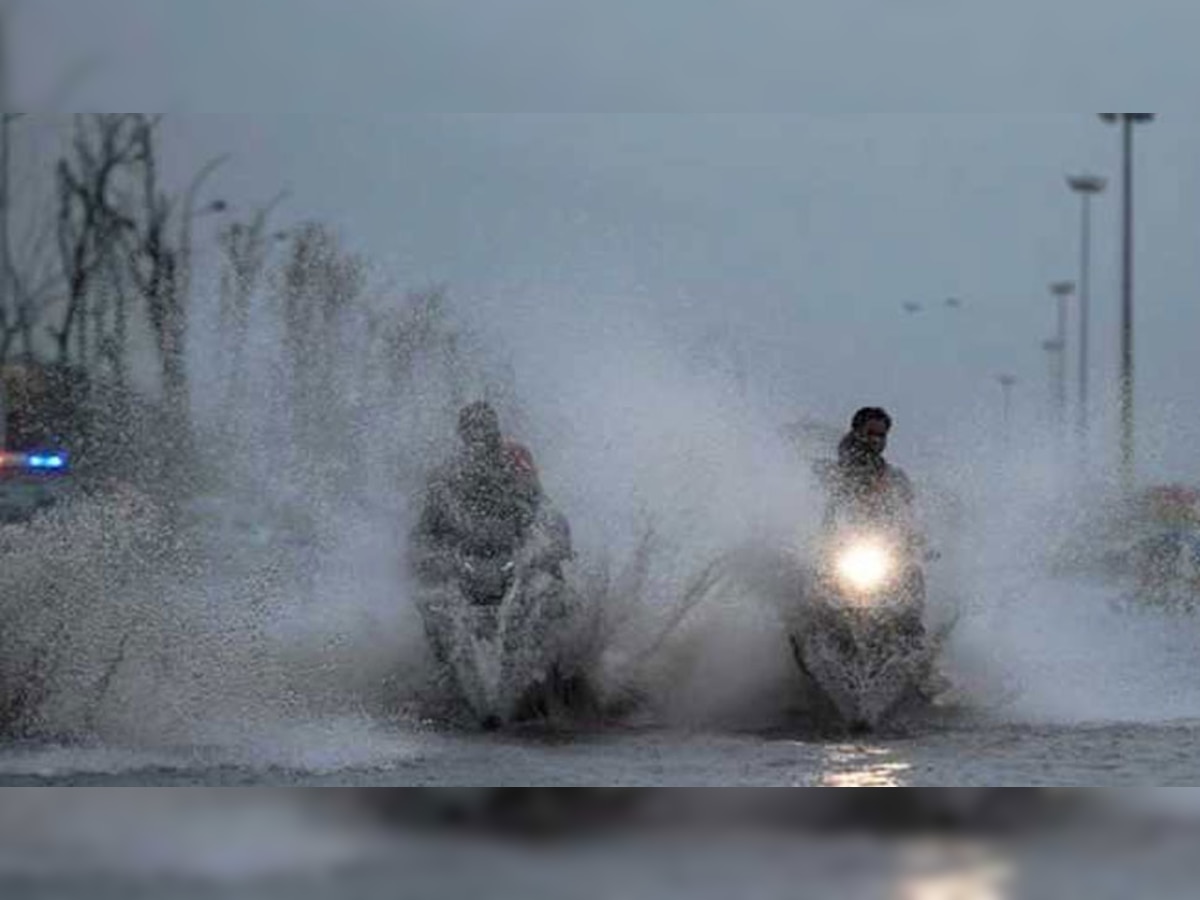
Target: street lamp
(1087, 187)
(1128, 122)
(1062, 291)
(1054, 349)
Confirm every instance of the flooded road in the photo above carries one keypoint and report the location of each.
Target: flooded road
(951, 754)
(210, 681)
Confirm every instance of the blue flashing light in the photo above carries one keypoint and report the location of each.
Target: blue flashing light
(52, 462)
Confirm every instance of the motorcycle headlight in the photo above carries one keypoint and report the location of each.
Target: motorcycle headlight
(865, 565)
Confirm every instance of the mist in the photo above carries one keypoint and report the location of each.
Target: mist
(300, 647)
(651, 295)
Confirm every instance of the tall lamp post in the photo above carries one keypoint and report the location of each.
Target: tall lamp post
(1054, 350)
(1062, 292)
(1128, 122)
(1087, 187)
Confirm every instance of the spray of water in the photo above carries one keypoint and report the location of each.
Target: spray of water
(271, 623)
(256, 606)
(1045, 638)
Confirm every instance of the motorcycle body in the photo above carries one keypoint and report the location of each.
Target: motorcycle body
(505, 628)
(858, 634)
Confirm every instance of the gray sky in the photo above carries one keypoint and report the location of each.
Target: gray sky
(623, 55)
(800, 233)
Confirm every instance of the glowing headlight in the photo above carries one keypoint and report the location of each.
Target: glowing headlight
(865, 566)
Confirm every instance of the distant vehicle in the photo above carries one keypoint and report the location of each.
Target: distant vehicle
(1165, 552)
(1149, 542)
(35, 467)
(32, 481)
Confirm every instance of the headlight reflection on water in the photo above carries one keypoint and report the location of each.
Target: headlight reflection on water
(954, 870)
(864, 767)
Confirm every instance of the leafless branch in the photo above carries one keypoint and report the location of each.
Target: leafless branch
(89, 222)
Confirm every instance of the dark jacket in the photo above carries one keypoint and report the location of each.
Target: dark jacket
(866, 485)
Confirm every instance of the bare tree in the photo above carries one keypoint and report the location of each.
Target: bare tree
(31, 266)
(90, 217)
(26, 279)
(160, 260)
(246, 249)
(113, 321)
(123, 238)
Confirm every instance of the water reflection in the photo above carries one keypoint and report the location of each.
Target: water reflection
(954, 870)
(863, 767)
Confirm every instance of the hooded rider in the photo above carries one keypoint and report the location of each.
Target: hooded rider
(485, 501)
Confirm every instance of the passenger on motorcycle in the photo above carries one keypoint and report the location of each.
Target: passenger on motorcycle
(485, 501)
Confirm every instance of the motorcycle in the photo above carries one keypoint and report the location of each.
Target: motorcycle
(506, 630)
(858, 638)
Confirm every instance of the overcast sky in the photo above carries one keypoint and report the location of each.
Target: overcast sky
(558, 163)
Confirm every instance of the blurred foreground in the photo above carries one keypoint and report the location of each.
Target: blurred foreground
(604, 843)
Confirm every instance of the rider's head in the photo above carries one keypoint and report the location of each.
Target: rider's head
(479, 428)
(871, 425)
